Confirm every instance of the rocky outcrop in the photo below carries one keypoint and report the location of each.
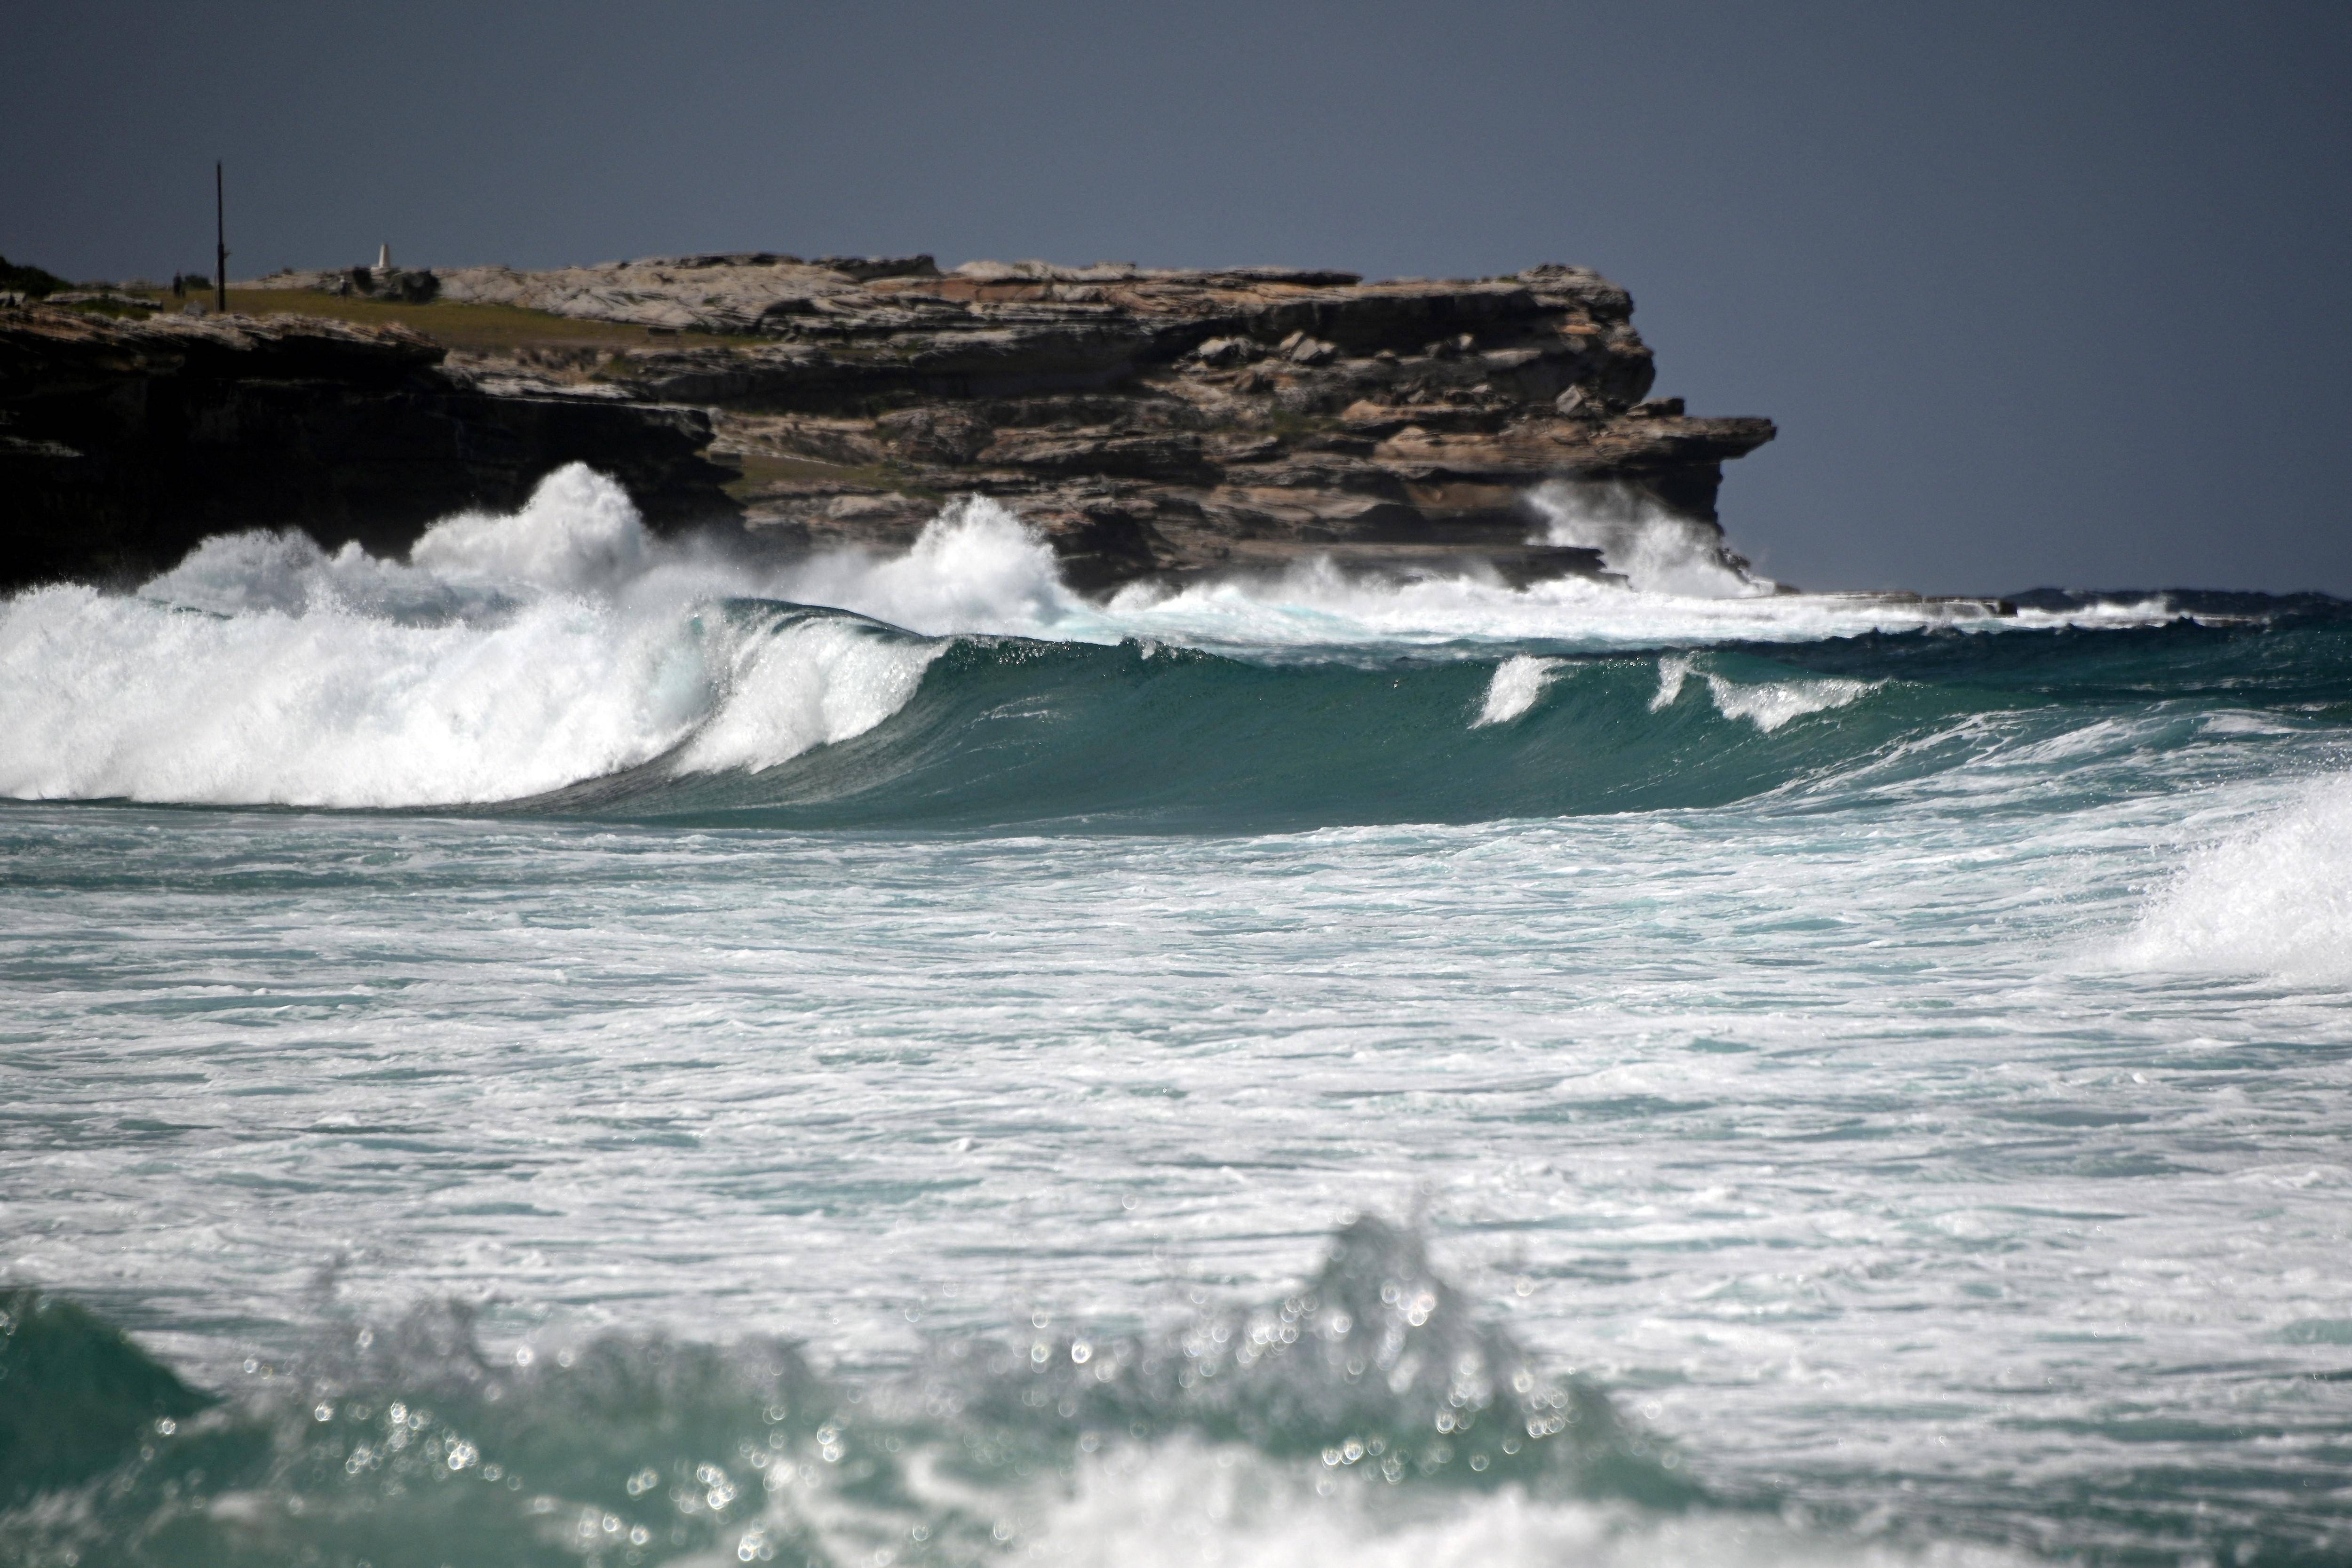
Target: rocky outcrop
(1149, 422)
(124, 442)
(1155, 421)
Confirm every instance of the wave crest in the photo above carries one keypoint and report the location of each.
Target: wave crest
(523, 655)
(1519, 683)
(976, 567)
(1769, 704)
(513, 655)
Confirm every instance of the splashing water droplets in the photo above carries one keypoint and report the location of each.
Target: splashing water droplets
(1654, 550)
(514, 655)
(2275, 900)
(1768, 705)
(1517, 685)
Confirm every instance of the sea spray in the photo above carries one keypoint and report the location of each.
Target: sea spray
(1517, 684)
(578, 533)
(513, 656)
(1767, 704)
(121, 697)
(1316, 608)
(976, 567)
(2272, 901)
(979, 567)
(1653, 550)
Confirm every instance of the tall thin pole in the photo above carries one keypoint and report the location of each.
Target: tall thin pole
(220, 244)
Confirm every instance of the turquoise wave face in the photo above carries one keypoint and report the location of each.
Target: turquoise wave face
(1010, 733)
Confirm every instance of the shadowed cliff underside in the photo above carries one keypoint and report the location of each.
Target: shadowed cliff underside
(122, 442)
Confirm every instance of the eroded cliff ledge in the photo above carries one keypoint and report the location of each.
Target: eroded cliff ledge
(1149, 422)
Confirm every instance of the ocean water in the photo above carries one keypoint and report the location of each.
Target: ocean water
(574, 1050)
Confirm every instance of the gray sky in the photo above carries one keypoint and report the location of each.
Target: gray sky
(2039, 293)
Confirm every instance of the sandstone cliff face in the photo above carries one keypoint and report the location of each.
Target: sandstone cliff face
(123, 443)
(1149, 422)
(1155, 421)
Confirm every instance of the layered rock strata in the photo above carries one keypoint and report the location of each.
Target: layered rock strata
(1148, 422)
(1152, 421)
(124, 442)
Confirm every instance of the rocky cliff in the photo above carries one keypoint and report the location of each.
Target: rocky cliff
(1149, 421)
(124, 442)
(1156, 421)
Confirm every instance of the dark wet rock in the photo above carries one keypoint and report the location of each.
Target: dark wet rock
(123, 443)
(1177, 456)
(951, 435)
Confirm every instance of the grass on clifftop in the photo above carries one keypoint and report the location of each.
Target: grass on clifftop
(477, 328)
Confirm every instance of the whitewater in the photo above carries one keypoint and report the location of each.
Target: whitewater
(578, 1047)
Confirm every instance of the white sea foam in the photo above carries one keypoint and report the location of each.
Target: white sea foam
(813, 683)
(1674, 669)
(1766, 704)
(1770, 704)
(1183, 1503)
(624, 1019)
(1518, 682)
(2274, 901)
(516, 654)
(975, 568)
(1317, 604)
(979, 568)
(1650, 548)
(578, 533)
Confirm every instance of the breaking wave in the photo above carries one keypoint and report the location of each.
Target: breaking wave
(1518, 682)
(563, 657)
(1768, 705)
(2273, 901)
(512, 656)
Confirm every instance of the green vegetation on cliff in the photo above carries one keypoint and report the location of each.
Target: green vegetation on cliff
(479, 329)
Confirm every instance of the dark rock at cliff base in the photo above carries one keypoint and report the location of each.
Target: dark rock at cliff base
(123, 443)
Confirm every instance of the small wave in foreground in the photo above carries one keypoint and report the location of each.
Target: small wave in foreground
(1368, 1416)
